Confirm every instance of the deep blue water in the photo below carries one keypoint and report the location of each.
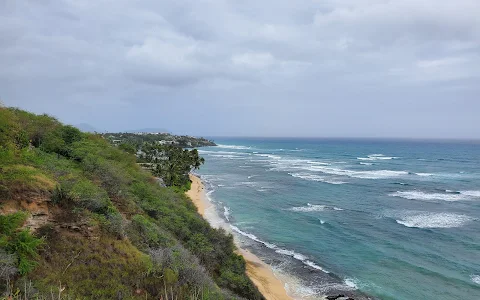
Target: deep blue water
(393, 219)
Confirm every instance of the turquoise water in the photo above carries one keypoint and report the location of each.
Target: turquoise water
(391, 219)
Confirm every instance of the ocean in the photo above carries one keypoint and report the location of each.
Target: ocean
(379, 219)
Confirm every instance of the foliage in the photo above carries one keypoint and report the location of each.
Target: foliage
(18, 242)
(138, 139)
(171, 163)
(128, 147)
(115, 232)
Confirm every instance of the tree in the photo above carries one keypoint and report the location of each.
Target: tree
(171, 163)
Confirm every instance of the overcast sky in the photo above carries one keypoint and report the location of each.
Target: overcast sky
(345, 68)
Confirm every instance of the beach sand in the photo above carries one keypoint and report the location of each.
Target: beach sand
(260, 273)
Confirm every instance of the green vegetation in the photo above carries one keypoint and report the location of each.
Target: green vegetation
(80, 219)
(130, 141)
(19, 243)
(171, 163)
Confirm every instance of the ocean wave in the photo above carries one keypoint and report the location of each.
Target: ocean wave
(271, 156)
(253, 237)
(250, 184)
(322, 221)
(236, 147)
(475, 194)
(315, 266)
(291, 253)
(377, 157)
(313, 207)
(209, 152)
(424, 174)
(375, 174)
(366, 164)
(226, 213)
(434, 220)
(351, 282)
(230, 156)
(318, 166)
(313, 177)
(448, 196)
(475, 278)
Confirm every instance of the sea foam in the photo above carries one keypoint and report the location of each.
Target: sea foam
(435, 220)
(291, 253)
(233, 147)
(377, 157)
(475, 279)
(226, 213)
(448, 196)
(313, 177)
(313, 207)
(351, 282)
(376, 174)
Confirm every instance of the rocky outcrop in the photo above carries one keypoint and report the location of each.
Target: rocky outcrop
(338, 297)
(35, 205)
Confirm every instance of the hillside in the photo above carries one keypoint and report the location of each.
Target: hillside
(79, 219)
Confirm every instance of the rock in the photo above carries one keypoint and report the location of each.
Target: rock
(335, 297)
(76, 228)
(160, 182)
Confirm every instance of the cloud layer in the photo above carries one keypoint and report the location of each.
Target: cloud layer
(310, 68)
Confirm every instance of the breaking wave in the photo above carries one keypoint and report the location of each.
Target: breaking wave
(377, 157)
(226, 213)
(313, 207)
(236, 147)
(313, 177)
(435, 220)
(447, 196)
(291, 253)
(377, 174)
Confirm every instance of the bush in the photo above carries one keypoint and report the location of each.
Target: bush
(9, 223)
(145, 234)
(19, 243)
(60, 196)
(113, 224)
(87, 195)
(180, 269)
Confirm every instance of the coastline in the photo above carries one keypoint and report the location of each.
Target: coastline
(259, 272)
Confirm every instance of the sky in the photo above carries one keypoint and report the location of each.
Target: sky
(305, 68)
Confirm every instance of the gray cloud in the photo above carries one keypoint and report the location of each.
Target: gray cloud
(314, 68)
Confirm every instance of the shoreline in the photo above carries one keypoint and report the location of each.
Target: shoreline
(259, 272)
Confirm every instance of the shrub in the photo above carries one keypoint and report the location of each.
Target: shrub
(180, 268)
(89, 196)
(9, 223)
(25, 246)
(60, 196)
(146, 234)
(19, 243)
(114, 224)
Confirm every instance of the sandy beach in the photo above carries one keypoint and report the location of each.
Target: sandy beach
(259, 272)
